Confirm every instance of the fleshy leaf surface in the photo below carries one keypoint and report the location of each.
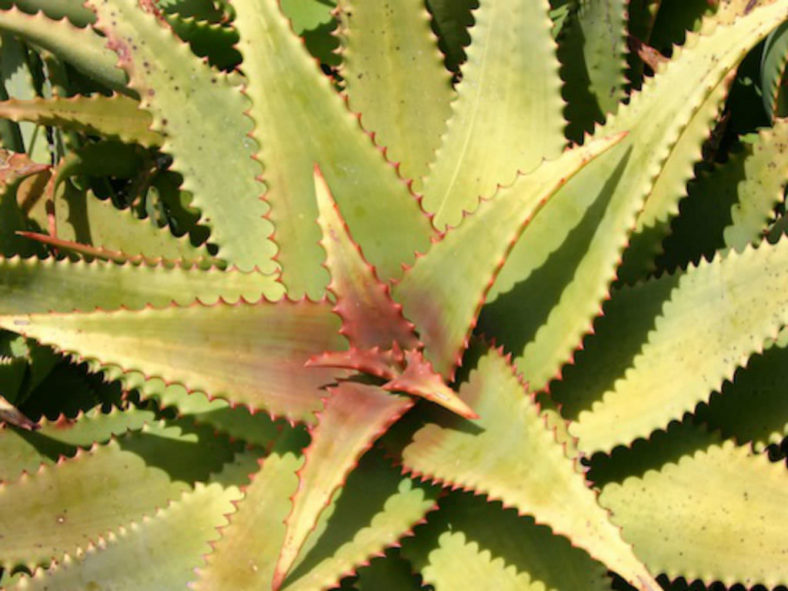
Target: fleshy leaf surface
(444, 290)
(563, 265)
(59, 508)
(395, 78)
(734, 304)
(730, 529)
(178, 89)
(510, 90)
(382, 214)
(251, 354)
(369, 316)
(530, 471)
(174, 537)
(354, 416)
(495, 544)
(39, 286)
(115, 116)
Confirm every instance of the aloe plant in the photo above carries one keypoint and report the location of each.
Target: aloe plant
(306, 295)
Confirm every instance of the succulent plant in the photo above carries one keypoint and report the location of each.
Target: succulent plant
(408, 312)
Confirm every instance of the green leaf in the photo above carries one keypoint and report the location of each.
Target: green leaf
(82, 48)
(175, 538)
(507, 115)
(178, 89)
(220, 350)
(394, 77)
(40, 286)
(25, 452)
(83, 219)
(73, 10)
(731, 205)
(353, 417)
(117, 116)
(730, 529)
(60, 508)
(733, 304)
(752, 407)
(560, 271)
(592, 50)
(444, 290)
(511, 454)
(471, 543)
(382, 214)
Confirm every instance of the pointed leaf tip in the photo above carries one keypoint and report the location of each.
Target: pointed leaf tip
(354, 417)
(420, 379)
(370, 318)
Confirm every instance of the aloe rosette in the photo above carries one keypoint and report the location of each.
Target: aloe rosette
(366, 319)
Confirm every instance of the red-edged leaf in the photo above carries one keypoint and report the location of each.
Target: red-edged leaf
(355, 415)
(420, 379)
(445, 289)
(382, 364)
(250, 354)
(370, 318)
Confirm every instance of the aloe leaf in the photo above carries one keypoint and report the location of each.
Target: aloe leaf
(256, 529)
(718, 299)
(39, 286)
(372, 511)
(731, 205)
(117, 116)
(394, 77)
(773, 62)
(178, 89)
(382, 214)
(752, 407)
(353, 417)
(238, 422)
(444, 290)
(82, 48)
(62, 436)
(472, 543)
(678, 440)
(251, 354)
(73, 10)
(730, 529)
(14, 167)
(18, 73)
(59, 508)
(519, 472)
(176, 537)
(592, 49)
(369, 316)
(86, 221)
(485, 144)
(594, 212)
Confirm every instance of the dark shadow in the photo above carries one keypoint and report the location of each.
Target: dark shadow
(516, 315)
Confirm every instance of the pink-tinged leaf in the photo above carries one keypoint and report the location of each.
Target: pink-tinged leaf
(12, 415)
(355, 415)
(382, 364)
(511, 454)
(15, 166)
(370, 318)
(251, 354)
(445, 289)
(420, 379)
